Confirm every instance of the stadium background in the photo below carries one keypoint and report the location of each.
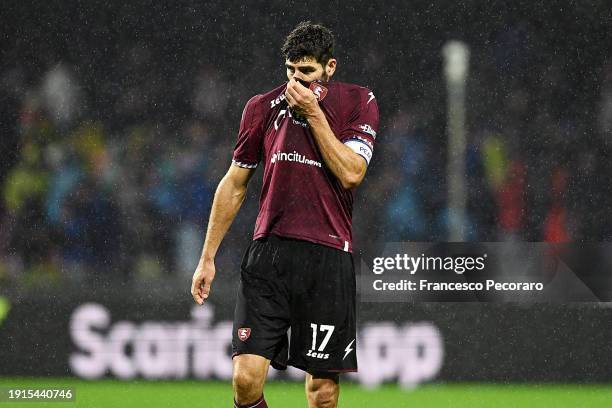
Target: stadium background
(117, 121)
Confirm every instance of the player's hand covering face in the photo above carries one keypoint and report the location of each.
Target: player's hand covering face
(301, 99)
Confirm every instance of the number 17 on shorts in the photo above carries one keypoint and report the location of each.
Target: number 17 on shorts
(319, 352)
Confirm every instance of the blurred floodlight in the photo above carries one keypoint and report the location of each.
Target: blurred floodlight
(456, 56)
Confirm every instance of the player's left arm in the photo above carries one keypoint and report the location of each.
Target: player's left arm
(348, 166)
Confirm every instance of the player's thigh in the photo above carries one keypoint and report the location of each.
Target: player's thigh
(250, 371)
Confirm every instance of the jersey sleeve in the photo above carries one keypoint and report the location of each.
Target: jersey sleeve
(248, 148)
(359, 133)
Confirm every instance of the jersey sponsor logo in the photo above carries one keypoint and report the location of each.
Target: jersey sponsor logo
(368, 129)
(319, 90)
(293, 157)
(244, 333)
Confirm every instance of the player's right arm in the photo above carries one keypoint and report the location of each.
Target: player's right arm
(230, 195)
(228, 199)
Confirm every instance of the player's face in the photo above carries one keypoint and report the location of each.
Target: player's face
(308, 69)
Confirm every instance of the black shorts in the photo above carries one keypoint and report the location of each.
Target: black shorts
(296, 305)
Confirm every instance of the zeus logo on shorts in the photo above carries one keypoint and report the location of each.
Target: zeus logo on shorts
(244, 333)
(317, 355)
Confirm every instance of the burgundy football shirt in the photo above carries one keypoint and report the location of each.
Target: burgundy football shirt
(300, 197)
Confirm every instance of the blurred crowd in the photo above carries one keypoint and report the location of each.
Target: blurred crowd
(110, 172)
(87, 196)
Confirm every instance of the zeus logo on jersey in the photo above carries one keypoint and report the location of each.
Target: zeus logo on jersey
(276, 101)
(293, 157)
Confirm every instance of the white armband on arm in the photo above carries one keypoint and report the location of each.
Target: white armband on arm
(361, 147)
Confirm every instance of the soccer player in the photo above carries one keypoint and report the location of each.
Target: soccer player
(296, 298)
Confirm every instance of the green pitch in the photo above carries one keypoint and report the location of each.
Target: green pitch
(205, 394)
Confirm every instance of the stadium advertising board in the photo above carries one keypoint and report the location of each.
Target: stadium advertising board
(410, 345)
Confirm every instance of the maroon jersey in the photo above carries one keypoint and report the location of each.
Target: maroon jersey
(300, 197)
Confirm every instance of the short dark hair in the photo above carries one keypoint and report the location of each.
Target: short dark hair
(309, 39)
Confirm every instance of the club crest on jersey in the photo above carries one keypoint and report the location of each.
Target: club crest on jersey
(244, 333)
(319, 90)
